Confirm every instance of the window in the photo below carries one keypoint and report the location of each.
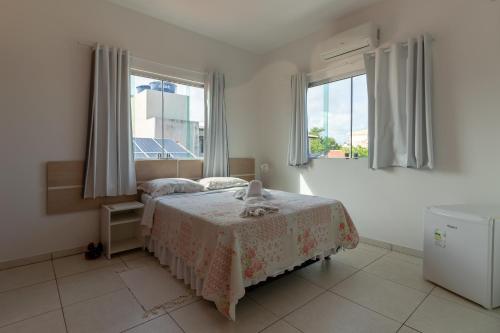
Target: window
(338, 118)
(167, 119)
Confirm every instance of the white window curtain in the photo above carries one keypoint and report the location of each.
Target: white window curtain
(216, 152)
(110, 169)
(298, 146)
(399, 81)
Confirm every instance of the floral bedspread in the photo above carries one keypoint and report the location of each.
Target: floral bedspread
(229, 253)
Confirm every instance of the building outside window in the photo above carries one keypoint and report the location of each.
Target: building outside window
(338, 118)
(167, 119)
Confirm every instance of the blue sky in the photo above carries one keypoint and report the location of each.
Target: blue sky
(339, 116)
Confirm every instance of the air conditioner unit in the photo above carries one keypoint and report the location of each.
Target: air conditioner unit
(354, 41)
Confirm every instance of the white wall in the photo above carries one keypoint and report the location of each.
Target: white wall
(44, 92)
(387, 205)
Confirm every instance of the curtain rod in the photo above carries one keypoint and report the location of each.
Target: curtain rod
(92, 45)
(388, 48)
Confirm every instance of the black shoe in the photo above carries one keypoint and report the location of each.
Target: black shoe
(91, 255)
(91, 246)
(99, 248)
(93, 252)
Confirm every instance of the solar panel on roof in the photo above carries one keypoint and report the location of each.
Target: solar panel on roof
(149, 148)
(172, 146)
(148, 145)
(177, 150)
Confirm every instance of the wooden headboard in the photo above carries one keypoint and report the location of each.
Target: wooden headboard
(65, 180)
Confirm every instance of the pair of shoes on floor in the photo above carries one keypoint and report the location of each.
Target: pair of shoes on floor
(93, 252)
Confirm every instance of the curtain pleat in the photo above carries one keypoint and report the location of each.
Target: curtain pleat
(298, 146)
(399, 86)
(216, 152)
(110, 169)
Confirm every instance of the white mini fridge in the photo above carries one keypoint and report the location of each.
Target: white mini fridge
(462, 251)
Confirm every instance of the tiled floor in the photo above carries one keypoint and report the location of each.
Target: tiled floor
(368, 289)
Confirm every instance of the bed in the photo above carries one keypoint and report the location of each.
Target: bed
(201, 237)
(205, 242)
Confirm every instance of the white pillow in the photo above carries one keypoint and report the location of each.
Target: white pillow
(164, 186)
(217, 183)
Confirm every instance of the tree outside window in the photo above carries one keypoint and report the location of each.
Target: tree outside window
(338, 118)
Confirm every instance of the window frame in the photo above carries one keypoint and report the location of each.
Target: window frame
(165, 77)
(171, 79)
(330, 79)
(336, 78)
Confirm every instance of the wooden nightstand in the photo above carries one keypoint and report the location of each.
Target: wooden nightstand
(120, 227)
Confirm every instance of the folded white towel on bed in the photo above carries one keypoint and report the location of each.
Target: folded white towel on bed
(254, 190)
(258, 207)
(255, 199)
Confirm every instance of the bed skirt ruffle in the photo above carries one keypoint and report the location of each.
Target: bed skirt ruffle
(182, 271)
(177, 266)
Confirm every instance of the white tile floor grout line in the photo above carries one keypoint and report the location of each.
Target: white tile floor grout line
(419, 304)
(26, 286)
(301, 306)
(109, 292)
(175, 321)
(86, 271)
(55, 278)
(101, 295)
(363, 267)
(288, 313)
(364, 306)
(393, 259)
(475, 307)
(91, 298)
(112, 292)
(142, 306)
(322, 293)
(24, 265)
(382, 277)
(336, 283)
(135, 298)
(28, 318)
(376, 259)
(399, 329)
(59, 295)
(298, 329)
(387, 279)
(144, 309)
(43, 313)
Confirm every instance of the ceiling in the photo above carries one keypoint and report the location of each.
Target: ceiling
(257, 25)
